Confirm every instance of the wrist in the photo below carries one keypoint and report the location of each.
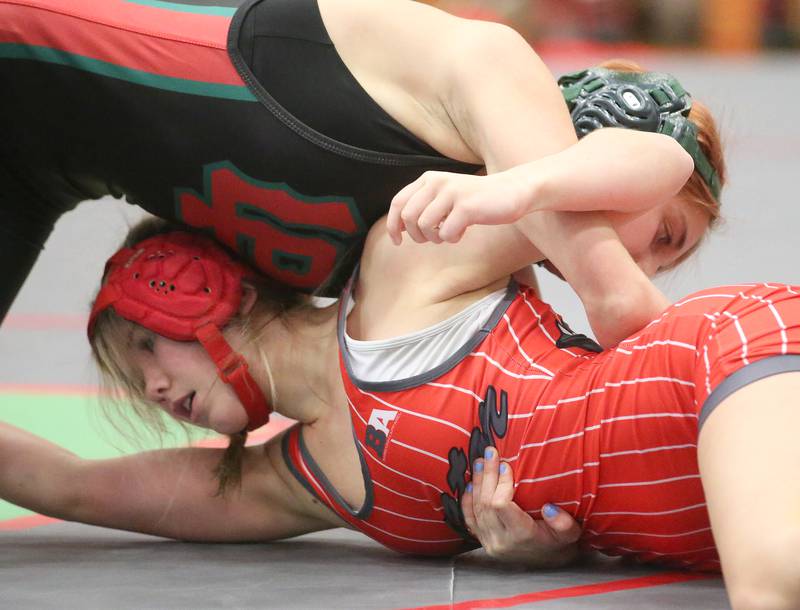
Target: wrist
(533, 191)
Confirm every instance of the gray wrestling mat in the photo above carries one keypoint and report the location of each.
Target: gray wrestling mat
(76, 566)
(43, 352)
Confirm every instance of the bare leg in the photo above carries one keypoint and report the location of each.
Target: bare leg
(749, 452)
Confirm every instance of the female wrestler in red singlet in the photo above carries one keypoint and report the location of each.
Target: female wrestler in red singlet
(663, 447)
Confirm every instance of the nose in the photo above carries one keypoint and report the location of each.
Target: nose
(156, 385)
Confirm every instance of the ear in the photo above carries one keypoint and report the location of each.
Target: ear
(249, 298)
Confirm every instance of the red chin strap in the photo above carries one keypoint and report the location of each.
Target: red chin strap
(184, 287)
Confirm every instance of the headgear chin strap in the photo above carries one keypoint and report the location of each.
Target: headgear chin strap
(646, 101)
(184, 287)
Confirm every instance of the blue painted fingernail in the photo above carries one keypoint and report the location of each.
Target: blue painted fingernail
(503, 468)
(469, 488)
(550, 510)
(488, 453)
(478, 467)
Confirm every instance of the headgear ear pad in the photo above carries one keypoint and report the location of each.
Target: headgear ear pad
(184, 287)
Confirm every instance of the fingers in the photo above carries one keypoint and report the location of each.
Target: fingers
(490, 490)
(563, 527)
(515, 520)
(467, 507)
(394, 221)
(490, 471)
(508, 512)
(424, 207)
(414, 206)
(418, 209)
(433, 216)
(504, 529)
(453, 224)
(484, 481)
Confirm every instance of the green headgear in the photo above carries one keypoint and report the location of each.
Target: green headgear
(647, 101)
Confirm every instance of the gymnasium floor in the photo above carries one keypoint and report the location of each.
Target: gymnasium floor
(46, 385)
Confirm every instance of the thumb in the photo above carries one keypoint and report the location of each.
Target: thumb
(565, 529)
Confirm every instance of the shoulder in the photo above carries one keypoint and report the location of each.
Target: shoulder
(267, 474)
(414, 60)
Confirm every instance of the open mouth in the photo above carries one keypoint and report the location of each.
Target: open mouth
(183, 408)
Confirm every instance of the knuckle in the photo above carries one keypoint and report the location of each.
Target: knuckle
(426, 224)
(407, 215)
(498, 503)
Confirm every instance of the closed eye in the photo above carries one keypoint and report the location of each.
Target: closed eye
(145, 343)
(664, 236)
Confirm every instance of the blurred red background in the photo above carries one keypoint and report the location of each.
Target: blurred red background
(720, 26)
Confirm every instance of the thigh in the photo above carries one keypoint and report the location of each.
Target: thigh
(650, 395)
(749, 460)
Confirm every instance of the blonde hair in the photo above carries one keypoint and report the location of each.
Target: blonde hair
(123, 384)
(695, 191)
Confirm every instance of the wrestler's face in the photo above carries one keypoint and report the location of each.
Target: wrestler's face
(181, 378)
(658, 238)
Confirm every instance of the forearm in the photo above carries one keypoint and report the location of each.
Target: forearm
(610, 169)
(37, 474)
(618, 297)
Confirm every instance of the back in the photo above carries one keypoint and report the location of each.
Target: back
(158, 103)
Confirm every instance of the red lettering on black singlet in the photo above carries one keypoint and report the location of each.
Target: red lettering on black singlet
(293, 238)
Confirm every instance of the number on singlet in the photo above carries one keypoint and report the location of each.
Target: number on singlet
(293, 238)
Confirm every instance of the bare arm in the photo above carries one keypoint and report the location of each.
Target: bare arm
(169, 493)
(611, 170)
(619, 298)
(452, 95)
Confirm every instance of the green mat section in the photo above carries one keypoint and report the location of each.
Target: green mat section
(76, 423)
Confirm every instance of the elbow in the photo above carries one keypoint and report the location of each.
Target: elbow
(683, 164)
(676, 165)
(620, 313)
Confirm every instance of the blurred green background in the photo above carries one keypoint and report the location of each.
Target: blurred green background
(78, 424)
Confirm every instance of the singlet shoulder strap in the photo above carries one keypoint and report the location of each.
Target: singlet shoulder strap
(305, 469)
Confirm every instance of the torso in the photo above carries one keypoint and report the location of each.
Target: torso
(204, 139)
(553, 409)
(414, 480)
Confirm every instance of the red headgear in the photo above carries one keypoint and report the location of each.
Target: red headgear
(184, 287)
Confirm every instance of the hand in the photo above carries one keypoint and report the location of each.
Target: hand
(439, 206)
(505, 530)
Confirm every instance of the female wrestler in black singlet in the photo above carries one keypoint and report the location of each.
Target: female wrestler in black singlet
(284, 128)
